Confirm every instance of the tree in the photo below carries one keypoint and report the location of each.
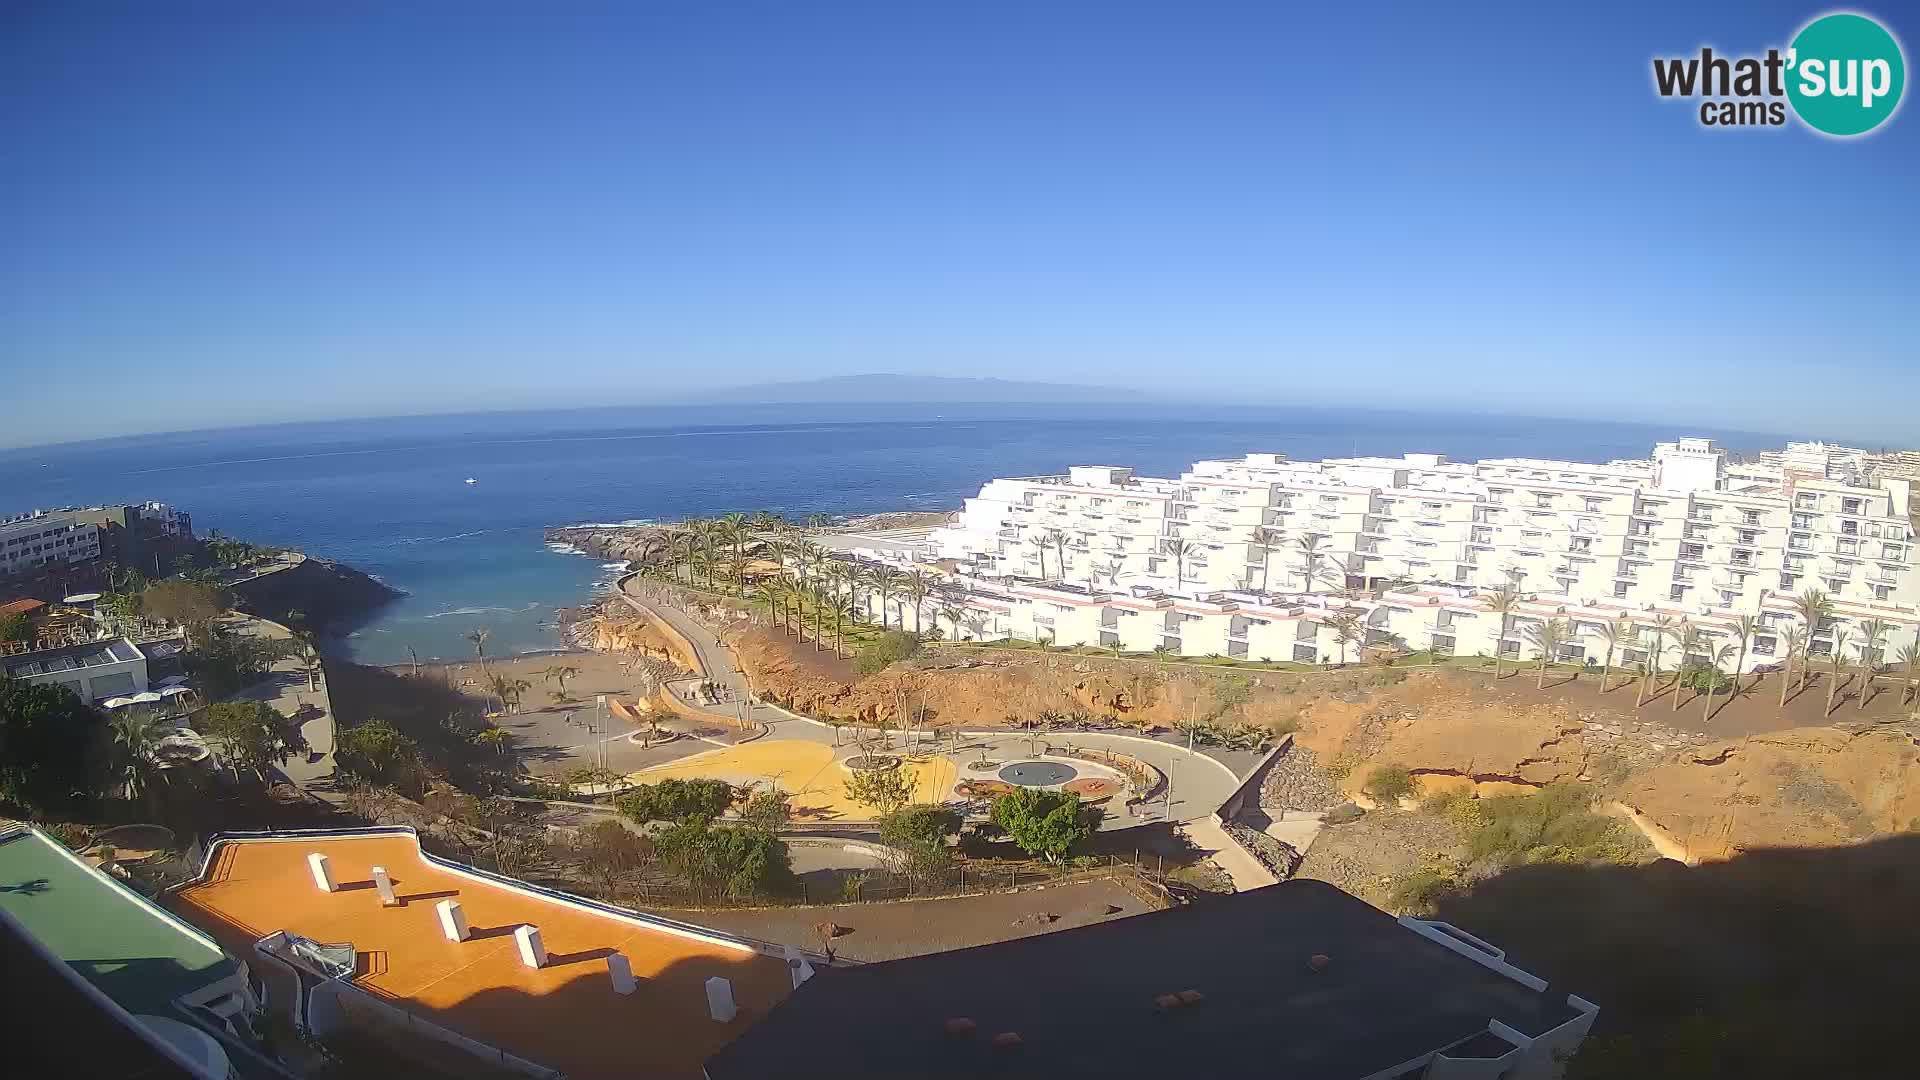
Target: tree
(189, 604)
(558, 674)
(48, 738)
(135, 737)
(885, 581)
(1872, 633)
(610, 854)
(928, 824)
(1838, 658)
(1059, 541)
(1044, 823)
(1909, 657)
(1744, 627)
(509, 690)
(1656, 634)
(918, 585)
(1546, 635)
(766, 809)
(478, 636)
(1501, 602)
(1039, 544)
(674, 799)
(885, 789)
(1177, 548)
(735, 532)
(885, 650)
(1796, 640)
(16, 627)
(1614, 632)
(1687, 639)
(1346, 629)
(1716, 655)
(1812, 608)
(496, 739)
(1265, 540)
(251, 735)
(1311, 556)
(736, 861)
(378, 753)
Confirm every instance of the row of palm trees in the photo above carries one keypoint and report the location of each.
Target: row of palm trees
(810, 582)
(1699, 652)
(1311, 548)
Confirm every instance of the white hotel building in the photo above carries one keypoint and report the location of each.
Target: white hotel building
(1087, 558)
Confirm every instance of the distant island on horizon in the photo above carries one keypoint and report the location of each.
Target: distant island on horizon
(914, 389)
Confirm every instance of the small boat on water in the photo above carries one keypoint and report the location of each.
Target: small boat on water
(471, 480)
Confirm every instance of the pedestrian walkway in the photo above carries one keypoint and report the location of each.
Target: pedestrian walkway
(1240, 866)
(1197, 784)
(287, 690)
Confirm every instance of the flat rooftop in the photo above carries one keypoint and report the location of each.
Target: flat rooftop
(133, 951)
(70, 658)
(1084, 1000)
(564, 1015)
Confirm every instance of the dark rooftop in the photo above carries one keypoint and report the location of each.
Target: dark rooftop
(1084, 1001)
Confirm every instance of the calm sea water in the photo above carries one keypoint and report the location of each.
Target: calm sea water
(389, 497)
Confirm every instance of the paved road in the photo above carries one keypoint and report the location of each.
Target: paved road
(1197, 784)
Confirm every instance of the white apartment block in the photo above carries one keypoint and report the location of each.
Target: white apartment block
(1246, 557)
(30, 542)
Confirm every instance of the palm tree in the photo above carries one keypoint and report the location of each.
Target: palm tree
(1714, 658)
(735, 531)
(496, 738)
(559, 674)
(1655, 634)
(1838, 658)
(825, 599)
(479, 635)
(1688, 639)
(1614, 631)
(1501, 602)
(1812, 607)
(952, 611)
(1177, 548)
(885, 581)
(1745, 627)
(1872, 631)
(771, 593)
(1546, 636)
(1910, 659)
(509, 690)
(1795, 640)
(917, 586)
(1310, 556)
(1039, 543)
(1059, 541)
(680, 547)
(976, 626)
(135, 736)
(1266, 540)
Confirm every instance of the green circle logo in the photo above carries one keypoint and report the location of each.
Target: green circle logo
(1845, 73)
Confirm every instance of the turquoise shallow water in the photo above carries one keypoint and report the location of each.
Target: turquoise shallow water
(389, 497)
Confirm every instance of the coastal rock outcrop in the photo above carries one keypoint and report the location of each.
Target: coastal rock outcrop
(633, 543)
(333, 597)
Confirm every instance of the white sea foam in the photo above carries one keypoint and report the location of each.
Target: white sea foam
(618, 566)
(467, 611)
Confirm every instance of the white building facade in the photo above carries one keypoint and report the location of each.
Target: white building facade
(31, 542)
(1253, 557)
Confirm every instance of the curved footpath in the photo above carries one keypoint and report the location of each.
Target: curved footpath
(1198, 781)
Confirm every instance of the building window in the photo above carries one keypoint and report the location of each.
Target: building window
(1620, 588)
(1883, 592)
(1806, 501)
(1803, 521)
(1849, 506)
(1751, 517)
(1763, 646)
(1691, 551)
(1678, 592)
(1850, 528)
(1847, 547)
(1542, 499)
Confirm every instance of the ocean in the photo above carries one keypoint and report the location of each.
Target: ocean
(389, 496)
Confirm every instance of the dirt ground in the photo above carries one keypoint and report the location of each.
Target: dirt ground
(1364, 857)
(887, 931)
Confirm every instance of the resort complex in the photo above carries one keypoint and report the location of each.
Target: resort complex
(1263, 558)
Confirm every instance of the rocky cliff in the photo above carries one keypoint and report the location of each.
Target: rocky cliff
(637, 543)
(333, 596)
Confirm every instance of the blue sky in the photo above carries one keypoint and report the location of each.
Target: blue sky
(222, 214)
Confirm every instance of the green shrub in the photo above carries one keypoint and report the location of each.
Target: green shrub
(1554, 825)
(1704, 679)
(1418, 892)
(1044, 823)
(675, 799)
(1389, 783)
(887, 649)
(921, 825)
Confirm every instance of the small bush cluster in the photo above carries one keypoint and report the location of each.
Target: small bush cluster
(889, 648)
